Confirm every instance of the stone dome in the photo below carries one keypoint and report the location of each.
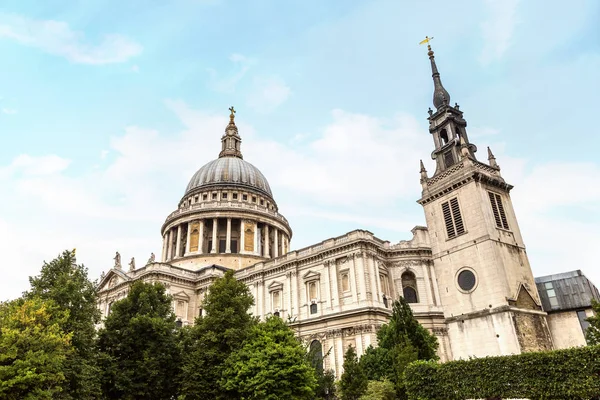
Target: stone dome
(230, 171)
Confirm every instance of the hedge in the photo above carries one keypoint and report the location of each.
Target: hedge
(560, 374)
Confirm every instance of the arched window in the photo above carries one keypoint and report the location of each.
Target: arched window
(444, 136)
(409, 287)
(315, 351)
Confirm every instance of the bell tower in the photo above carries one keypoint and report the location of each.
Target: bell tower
(488, 292)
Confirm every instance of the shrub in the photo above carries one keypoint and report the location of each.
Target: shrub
(560, 374)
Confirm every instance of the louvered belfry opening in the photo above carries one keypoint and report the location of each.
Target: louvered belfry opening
(453, 218)
(498, 210)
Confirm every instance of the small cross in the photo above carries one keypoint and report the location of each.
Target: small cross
(232, 110)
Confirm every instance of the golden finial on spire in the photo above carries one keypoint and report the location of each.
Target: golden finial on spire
(427, 40)
(232, 115)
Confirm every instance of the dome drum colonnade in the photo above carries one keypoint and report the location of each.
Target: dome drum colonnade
(228, 208)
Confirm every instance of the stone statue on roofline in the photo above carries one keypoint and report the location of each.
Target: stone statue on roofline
(151, 259)
(132, 264)
(117, 260)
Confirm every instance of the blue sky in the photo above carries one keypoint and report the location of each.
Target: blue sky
(108, 107)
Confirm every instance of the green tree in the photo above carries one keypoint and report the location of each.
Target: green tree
(379, 390)
(139, 349)
(400, 342)
(66, 283)
(592, 334)
(270, 365)
(404, 326)
(353, 382)
(33, 349)
(214, 337)
(325, 384)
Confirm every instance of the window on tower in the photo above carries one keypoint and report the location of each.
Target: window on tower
(448, 159)
(453, 218)
(409, 287)
(444, 136)
(498, 210)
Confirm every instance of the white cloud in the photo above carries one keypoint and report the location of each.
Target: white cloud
(9, 111)
(556, 206)
(35, 166)
(103, 154)
(135, 68)
(498, 29)
(228, 83)
(356, 160)
(357, 170)
(268, 94)
(56, 37)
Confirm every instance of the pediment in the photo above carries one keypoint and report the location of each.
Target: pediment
(275, 285)
(181, 295)
(113, 278)
(311, 275)
(524, 299)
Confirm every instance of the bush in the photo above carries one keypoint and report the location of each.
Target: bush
(560, 374)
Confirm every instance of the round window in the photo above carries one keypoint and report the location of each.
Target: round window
(466, 280)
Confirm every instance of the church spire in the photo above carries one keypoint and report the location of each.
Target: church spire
(231, 140)
(446, 124)
(440, 94)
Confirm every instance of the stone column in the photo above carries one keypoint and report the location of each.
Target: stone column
(340, 350)
(359, 260)
(164, 249)
(267, 248)
(378, 287)
(201, 237)
(430, 299)
(335, 289)
(275, 243)
(437, 301)
(170, 244)
(187, 242)
(353, 271)
(256, 312)
(288, 275)
(256, 239)
(228, 239)
(214, 236)
(370, 265)
(242, 241)
(261, 300)
(178, 243)
(295, 294)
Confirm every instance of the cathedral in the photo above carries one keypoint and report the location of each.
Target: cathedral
(466, 273)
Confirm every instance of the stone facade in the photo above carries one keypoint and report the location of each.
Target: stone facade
(466, 275)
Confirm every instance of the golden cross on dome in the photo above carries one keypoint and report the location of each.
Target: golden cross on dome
(232, 115)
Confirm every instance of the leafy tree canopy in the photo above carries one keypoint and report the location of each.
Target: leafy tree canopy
(140, 356)
(353, 382)
(270, 365)
(593, 331)
(66, 283)
(217, 333)
(33, 349)
(400, 342)
(379, 390)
